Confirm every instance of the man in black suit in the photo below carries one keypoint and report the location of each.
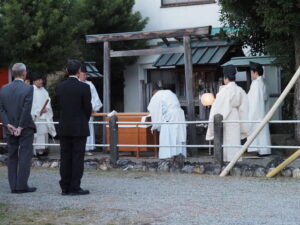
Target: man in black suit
(15, 107)
(74, 99)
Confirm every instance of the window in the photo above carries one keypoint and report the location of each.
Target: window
(174, 3)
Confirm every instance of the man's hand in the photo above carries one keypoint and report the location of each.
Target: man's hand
(11, 129)
(18, 131)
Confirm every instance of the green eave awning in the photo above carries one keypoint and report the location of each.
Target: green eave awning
(92, 71)
(203, 53)
(244, 61)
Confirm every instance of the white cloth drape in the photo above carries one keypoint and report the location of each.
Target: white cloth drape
(40, 96)
(96, 105)
(165, 107)
(258, 107)
(232, 103)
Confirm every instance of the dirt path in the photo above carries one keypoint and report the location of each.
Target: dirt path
(149, 198)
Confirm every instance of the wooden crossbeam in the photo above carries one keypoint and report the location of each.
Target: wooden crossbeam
(165, 40)
(152, 51)
(144, 35)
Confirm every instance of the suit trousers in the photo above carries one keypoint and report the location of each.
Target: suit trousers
(20, 151)
(72, 162)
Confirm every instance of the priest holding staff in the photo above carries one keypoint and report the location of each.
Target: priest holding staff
(164, 107)
(258, 107)
(96, 105)
(232, 103)
(41, 111)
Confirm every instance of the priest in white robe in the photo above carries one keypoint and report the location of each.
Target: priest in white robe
(232, 103)
(164, 107)
(41, 111)
(96, 105)
(258, 107)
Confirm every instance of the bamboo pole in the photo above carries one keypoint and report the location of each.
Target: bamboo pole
(262, 124)
(282, 165)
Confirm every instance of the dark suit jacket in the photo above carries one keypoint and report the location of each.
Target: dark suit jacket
(15, 104)
(74, 100)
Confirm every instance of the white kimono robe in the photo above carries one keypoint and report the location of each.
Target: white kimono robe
(96, 105)
(40, 96)
(232, 103)
(165, 107)
(258, 107)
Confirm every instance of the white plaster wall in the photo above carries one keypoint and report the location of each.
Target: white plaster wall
(131, 97)
(177, 17)
(133, 74)
(163, 19)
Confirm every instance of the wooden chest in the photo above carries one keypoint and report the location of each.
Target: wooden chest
(135, 134)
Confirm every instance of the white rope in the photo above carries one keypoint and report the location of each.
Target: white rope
(186, 122)
(120, 145)
(266, 146)
(187, 146)
(44, 144)
(95, 122)
(258, 121)
(152, 146)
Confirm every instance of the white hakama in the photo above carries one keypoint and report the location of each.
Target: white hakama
(232, 103)
(258, 107)
(40, 96)
(165, 107)
(96, 105)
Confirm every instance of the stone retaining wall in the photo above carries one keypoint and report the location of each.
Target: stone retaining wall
(176, 164)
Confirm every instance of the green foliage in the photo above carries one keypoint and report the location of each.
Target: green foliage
(111, 16)
(268, 26)
(38, 33)
(45, 33)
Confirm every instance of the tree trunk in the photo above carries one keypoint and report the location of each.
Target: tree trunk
(297, 86)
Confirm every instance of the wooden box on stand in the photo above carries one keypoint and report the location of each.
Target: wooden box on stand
(134, 134)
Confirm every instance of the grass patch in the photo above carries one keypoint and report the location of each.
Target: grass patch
(10, 215)
(3, 172)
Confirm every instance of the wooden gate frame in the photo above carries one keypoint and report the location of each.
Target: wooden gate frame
(186, 34)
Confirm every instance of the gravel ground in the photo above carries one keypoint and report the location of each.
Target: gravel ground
(149, 198)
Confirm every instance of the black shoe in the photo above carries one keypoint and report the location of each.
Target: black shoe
(80, 192)
(29, 189)
(65, 192)
(13, 191)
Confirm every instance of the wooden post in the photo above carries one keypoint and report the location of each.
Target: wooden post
(142, 96)
(106, 78)
(218, 139)
(113, 130)
(106, 84)
(188, 72)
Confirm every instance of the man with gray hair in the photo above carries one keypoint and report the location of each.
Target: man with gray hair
(15, 108)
